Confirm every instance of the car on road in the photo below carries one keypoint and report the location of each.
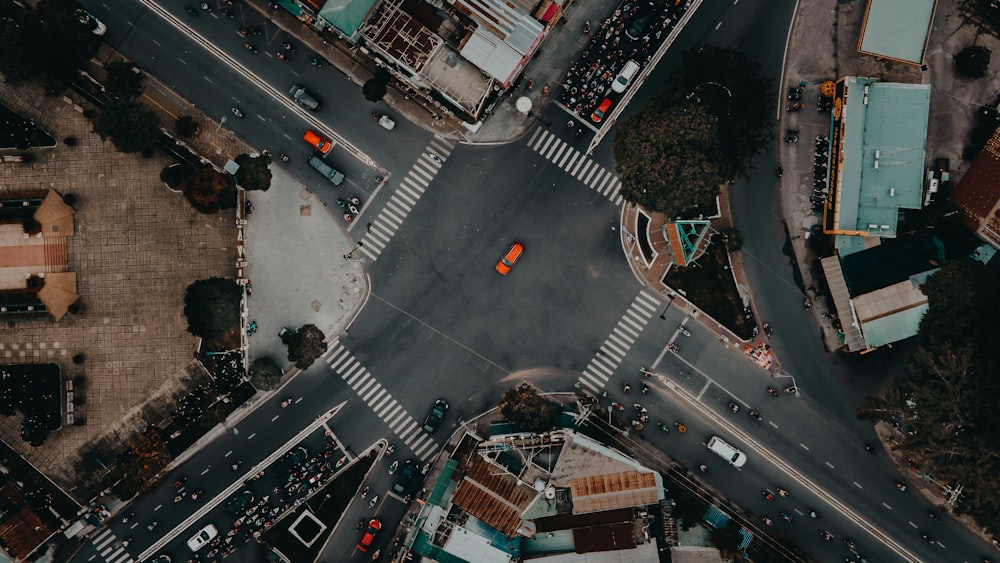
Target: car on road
(722, 449)
(202, 538)
(336, 177)
(321, 143)
(601, 111)
(303, 98)
(404, 476)
(88, 19)
(434, 416)
(510, 258)
(625, 75)
(374, 525)
(239, 503)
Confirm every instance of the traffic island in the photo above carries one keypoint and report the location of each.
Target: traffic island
(302, 532)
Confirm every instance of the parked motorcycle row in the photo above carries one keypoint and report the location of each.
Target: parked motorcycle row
(820, 192)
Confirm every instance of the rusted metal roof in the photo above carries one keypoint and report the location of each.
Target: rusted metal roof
(597, 493)
(494, 496)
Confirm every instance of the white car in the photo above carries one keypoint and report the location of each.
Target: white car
(86, 18)
(202, 538)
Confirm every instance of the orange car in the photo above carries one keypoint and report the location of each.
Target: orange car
(374, 525)
(507, 262)
(602, 109)
(321, 143)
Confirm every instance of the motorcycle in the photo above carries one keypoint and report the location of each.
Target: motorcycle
(767, 520)
(340, 462)
(807, 303)
(755, 415)
(617, 406)
(247, 210)
(373, 502)
(703, 468)
(640, 408)
(734, 407)
(315, 62)
(282, 57)
(393, 467)
(782, 492)
(286, 403)
(283, 157)
(206, 7)
(901, 487)
(869, 448)
(250, 47)
(364, 491)
(812, 513)
(673, 348)
(128, 517)
(680, 427)
(178, 498)
(626, 388)
(663, 426)
(152, 525)
(778, 170)
(389, 449)
(786, 517)
(195, 495)
(237, 112)
(790, 389)
(237, 464)
(772, 391)
(228, 13)
(586, 27)
(645, 388)
(180, 482)
(684, 331)
(288, 47)
(192, 12)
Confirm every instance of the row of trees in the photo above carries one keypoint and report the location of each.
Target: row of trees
(704, 130)
(945, 402)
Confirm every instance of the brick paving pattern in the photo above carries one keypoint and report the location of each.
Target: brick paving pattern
(136, 249)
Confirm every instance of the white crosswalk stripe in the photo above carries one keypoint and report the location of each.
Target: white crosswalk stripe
(614, 349)
(380, 400)
(576, 164)
(109, 547)
(410, 188)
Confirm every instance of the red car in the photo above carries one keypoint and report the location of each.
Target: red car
(510, 258)
(374, 525)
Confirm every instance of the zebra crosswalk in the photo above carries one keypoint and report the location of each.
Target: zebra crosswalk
(576, 164)
(402, 201)
(380, 400)
(110, 548)
(618, 343)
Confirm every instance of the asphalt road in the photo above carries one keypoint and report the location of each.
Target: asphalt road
(441, 322)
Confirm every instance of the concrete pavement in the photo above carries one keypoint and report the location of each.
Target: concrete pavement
(296, 249)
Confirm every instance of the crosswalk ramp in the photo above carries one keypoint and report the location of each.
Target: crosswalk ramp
(405, 198)
(109, 547)
(408, 429)
(619, 342)
(576, 164)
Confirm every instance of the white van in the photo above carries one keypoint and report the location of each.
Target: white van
(722, 449)
(625, 76)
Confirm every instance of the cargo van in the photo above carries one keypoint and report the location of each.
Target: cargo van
(722, 449)
(336, 177)
(624, 77)
(303, 98)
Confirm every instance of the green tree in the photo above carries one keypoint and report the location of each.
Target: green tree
(208, 191)
(254, 172)
(130, 126)
(186, 126)
(141, 464)
(265, 373)
(376, 88)
(972, 61)
(704, 130)
(175, 175)
(727, 540)
(123, 81)
(212, 307)
(304, 345)
(523, 407)
(15, 64)
(58, 42)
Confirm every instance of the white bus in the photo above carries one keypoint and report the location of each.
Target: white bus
(727, 452)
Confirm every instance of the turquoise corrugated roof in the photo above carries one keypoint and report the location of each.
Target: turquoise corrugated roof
(346, 15)
(888, 124)
(897, 29)
(894, 327)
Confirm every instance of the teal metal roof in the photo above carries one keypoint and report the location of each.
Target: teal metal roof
(885, 126)
(897, 29)
(346, 15)
(893, 328)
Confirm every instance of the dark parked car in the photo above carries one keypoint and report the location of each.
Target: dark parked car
(434, 417)
(404, 476)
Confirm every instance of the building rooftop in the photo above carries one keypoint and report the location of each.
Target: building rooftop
(882, 162)
(897, 29)
(345, 15)
(978, 193)
(493, 495)
(892, 313)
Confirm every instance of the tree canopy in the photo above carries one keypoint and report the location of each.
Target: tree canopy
(972, 61)
(265, 373)
(254, 172)
(945, 402)
(212, 307)
(523, 407)
(55, 39)
(208, 191)
(146, 456)
(304, 345)
(713, 117)
(375, 88)
(123, 81)
(129, 125)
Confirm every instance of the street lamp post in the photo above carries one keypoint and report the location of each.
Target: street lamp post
(663, 315)
(350, 254)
